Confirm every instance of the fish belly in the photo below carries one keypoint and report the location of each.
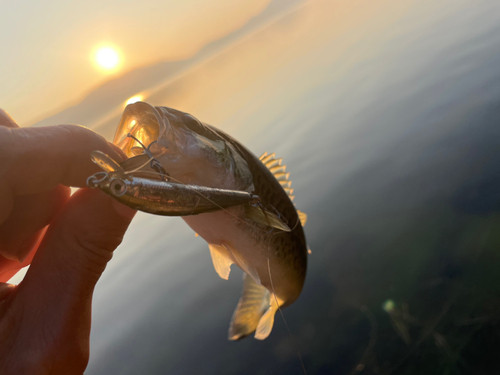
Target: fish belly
(221, 228)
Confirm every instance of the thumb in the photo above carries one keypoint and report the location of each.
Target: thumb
(55, 296)
(78, 244)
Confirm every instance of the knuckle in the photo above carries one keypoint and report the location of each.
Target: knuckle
(96, 248)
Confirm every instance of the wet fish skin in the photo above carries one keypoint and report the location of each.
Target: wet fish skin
(192, 152)
(288, 249)
(156, 195)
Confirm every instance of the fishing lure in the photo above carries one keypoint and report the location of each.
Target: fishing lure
(157, 196)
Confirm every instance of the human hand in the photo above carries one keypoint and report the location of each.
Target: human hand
(45, 320)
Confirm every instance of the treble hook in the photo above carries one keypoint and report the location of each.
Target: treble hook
(155, 164)
(96, 179)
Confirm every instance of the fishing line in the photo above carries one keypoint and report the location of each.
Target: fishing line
(284, 320)
(148, 153)
(296, 223)
(153, 159)
(140, 167)
(208, 199)
(247, 223)
(130, 135)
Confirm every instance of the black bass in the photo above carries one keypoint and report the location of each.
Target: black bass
(194, 153)
(154, 195)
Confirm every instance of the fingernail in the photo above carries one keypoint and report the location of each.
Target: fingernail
(124, 211)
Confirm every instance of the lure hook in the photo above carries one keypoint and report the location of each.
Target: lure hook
(96, 179)
(155, 164)
(255, 202)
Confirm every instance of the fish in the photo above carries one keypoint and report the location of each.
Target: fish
(157, 196)
(161, 197)
(274, 261)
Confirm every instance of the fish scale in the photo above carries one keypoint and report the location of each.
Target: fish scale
(274, 261)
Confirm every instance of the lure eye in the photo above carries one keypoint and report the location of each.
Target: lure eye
(118, 188)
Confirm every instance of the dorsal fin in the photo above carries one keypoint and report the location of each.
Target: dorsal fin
(283, 177)
(264, 158)
(302, 217)
(274, 165)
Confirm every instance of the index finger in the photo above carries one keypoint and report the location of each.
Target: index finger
(38, 159)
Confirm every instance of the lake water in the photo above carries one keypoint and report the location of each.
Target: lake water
(387, 114)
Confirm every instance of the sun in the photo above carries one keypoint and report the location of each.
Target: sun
(107, 58)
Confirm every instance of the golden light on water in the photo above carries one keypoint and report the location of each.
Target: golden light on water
(107, 58)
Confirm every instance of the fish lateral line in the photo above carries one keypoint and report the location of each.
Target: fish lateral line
(257, 203)
(156, 165)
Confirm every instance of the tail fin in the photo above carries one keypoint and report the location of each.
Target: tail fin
(255, 312)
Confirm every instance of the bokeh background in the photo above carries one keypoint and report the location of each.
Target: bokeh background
(387, 113)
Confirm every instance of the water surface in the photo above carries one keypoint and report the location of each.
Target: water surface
(387, 115)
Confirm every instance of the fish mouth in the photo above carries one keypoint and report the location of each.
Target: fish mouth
(140, 125)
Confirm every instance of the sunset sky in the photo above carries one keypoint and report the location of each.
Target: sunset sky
(49, 47)
(385, 113)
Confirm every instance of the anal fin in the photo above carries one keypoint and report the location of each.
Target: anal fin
(221, 259)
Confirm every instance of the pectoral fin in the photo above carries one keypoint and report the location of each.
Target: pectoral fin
(221, 259)
(254, 302)
(263, 216)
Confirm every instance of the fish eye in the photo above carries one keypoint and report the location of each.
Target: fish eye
(118, 188)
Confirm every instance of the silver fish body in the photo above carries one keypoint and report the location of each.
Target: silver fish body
(274, 262)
